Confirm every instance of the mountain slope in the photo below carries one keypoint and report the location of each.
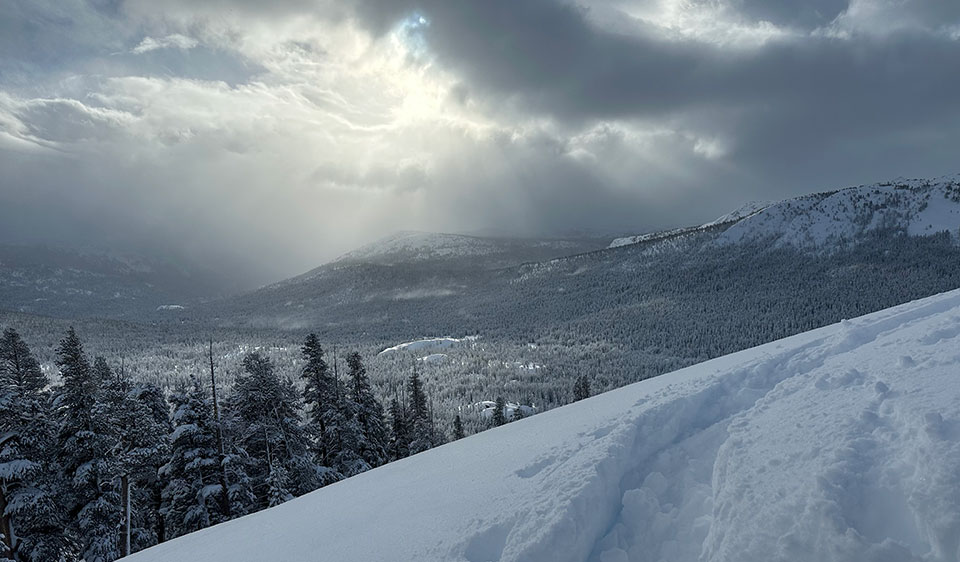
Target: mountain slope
(833, 445)
(916, 207)
(465, 276)
(461, 250)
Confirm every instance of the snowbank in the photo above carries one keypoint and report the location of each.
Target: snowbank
(839, 444)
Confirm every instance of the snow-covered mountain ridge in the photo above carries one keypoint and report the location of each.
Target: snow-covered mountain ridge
(836, 444)
(823, 220)
(414, 246)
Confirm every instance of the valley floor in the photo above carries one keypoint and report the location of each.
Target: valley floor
(838, 444)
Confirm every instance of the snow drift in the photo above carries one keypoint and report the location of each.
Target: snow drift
(838, 444)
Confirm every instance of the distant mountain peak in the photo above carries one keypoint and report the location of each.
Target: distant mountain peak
(819, 220)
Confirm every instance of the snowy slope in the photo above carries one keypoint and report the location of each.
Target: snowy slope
(839, 444)
(413, 247)
(916, 207)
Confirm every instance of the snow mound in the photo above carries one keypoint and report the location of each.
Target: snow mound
(425, 344)
(838, 444)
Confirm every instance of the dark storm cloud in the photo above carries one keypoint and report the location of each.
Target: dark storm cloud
(824, 96)
(548, 57)
(294, 130)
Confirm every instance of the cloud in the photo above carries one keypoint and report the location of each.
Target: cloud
(172, 41)
(273, 137)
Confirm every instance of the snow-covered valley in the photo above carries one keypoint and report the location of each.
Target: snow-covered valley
(842, 443)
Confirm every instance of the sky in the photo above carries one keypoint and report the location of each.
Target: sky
(266, 138)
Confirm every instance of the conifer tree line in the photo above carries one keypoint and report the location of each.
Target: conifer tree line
(98, 466)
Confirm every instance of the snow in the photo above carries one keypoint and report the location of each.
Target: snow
(428, 344)
(747, 209)
(435, 358)
(414, 246)
(627, 240)
(418, 246)
(485, 409)
(915, 206)
(837, 444)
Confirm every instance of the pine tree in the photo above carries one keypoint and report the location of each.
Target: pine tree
(423, 435)
(399, 432)
(581, 388)
(190, 497)
(277, 492)
(31, 522)
(268, 429)
(150, 486)
(83, 446)
(138, 428)
(369, 413)
(320, 395)
(499, 416)
(333, 424)
(458, 428)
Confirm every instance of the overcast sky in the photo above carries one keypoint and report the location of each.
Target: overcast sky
(280, 134)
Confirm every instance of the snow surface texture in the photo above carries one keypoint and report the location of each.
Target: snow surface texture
(840, 444)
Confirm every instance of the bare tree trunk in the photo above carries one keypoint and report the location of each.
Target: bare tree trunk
(224, 496)
(161, 524)
(6, 527)
(125, 501)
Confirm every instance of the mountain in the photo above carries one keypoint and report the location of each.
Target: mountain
(620, 314)
(836, 444)
(426, 285)
(825, 221)
(73, 283)
(469, 252)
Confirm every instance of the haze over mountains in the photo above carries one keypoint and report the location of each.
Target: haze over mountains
(458, 278)
(444, 282)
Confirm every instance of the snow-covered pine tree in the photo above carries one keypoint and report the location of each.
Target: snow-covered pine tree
(240, 497)
(83, 446)
(139, 448)
(399, 433)
(277, 492)
(31, 523)
(148, 492)
(268, 429)
(423, 434)
(190, 497)
(369, 413)
(326, 413)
